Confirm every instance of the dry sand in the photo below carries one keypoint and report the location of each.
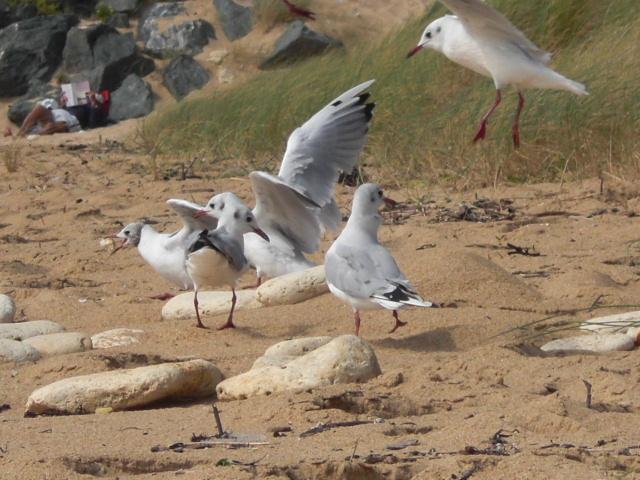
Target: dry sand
(460, 382)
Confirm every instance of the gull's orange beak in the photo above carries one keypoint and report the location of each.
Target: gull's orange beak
(258, 231)
(389, 203)
(124, 243)
(414, 51)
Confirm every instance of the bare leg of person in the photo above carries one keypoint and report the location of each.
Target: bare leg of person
(39, 114)
(54, 127)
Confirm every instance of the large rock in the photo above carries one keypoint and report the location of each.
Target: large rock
(119, 20)
(31, 50)
(298, 42)
(184, 75)
(180, 307)
(7, 309)
(103, 56)
(125, 389)
(149, 19)
(283, 352)
(60, 343)
(118, 337)
(236, 20)
(133, 99)
(185, 38)
(597, 343)
(6, 14)
(345, 359)
(127, 6)
(15, 351)
(293, 288)
(20, 331)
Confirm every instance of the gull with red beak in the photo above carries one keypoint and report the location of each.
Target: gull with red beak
(296, 206)
(481, 39)
(167, 252)
(216, 258)
(360, 271)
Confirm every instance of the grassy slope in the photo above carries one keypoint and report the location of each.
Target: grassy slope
(428, 108)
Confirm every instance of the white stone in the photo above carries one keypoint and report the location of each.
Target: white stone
(283, 352)
(118, 337)
(225, 75)
(345, 359)
(125, 389)
(60, 343)
(180, 307)
(22, 330)
(15, 351)
(598, 343)
(293, 288)
(618, 323)
(7, 309)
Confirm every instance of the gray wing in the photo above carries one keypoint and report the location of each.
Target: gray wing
(362, 272)
(484, 22)
(220, 241)
(186, 211)
(329, 142)
(285, 214)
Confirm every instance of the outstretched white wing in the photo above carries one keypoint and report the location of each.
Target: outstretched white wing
(186, 211)
(329, 142)
(488, 25)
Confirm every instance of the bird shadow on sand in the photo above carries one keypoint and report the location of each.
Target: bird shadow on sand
(438, 340)
(294, 331)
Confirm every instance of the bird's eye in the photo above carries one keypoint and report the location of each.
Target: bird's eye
(428, 34)
(249, 219)
(212, 206)
(126, 232)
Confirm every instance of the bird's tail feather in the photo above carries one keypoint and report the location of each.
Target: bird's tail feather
(399, 295)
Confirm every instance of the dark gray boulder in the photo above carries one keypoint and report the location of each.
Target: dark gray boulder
(6, 14)
(236, 20)
(149, 17)
(103, 56)
(133, 99)
(123, 6)
(298, 42)
(25, 11)
(185, 38)
(119, 20)
(19, 109)
(184, 75)
(31, 50)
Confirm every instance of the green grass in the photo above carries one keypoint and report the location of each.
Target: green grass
(428, 108)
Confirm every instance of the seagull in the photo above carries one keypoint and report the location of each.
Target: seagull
(360, 271)
(480, 38)
(295, 207)
(167, 252)
(217, 258)
(299, 11)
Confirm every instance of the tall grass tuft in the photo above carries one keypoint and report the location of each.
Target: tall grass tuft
(11, 156)
(428, 108)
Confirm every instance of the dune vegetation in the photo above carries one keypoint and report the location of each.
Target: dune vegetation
(428, 108)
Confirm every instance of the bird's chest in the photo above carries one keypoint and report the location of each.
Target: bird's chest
(208, 268)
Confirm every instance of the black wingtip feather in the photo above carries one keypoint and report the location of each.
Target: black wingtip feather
(335, 104)
(368, 110)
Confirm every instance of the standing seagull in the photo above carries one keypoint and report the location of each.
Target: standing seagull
(360, 271)
(483, 40)
(217, 258)
(295, 206)
(167, 252)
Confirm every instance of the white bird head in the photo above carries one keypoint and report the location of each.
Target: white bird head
(433, 35)
(130, 235)
(232, 214)
(368, 199)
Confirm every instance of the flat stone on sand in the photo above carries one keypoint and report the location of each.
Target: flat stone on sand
(15, 351)
(293, 288)
(283, 352)
(20, 331)
(7, 309)
(597, 343)
(117, 337)
(180, 307)
(60, 343)
(125, 389)
(345, 359)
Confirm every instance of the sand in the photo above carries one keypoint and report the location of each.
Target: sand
(451, 379)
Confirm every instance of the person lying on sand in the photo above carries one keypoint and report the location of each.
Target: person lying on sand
(47, 118)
